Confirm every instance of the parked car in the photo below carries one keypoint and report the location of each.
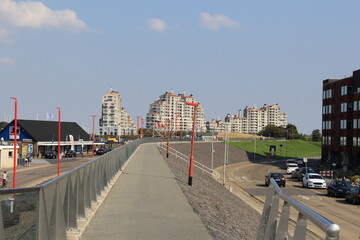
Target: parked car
(299, 161)
(70, 153)
(289, 161)
(51, 154)
(100, 151)
(353, 195)
(313, 180)
(291, 167)
(338, 188)
(278, 177)
(300, 172)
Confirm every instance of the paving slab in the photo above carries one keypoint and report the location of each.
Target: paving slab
(146, 203)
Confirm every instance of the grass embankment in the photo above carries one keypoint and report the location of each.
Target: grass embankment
(284, 149)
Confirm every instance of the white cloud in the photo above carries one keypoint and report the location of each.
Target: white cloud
(156, 24)
(217, 21)
(5, 36)
(32, 14)
(7, 61)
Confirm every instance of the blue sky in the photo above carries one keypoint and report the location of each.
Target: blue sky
(228, 54)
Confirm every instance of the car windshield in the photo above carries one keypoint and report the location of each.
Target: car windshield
(315, 176)
(343, 184)
(309, 170)
(276, 175)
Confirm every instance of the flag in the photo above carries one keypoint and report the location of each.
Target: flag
(49, 116)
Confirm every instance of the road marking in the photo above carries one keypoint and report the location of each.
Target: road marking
(267, 162)
(303, 197)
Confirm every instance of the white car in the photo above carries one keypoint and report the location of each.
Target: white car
(291, 167)
(290, 161)
(313, 180)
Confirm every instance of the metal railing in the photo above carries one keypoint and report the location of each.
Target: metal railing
(57, 208)
(182, 156)
(275, 227)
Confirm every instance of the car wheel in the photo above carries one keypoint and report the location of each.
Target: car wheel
(346, 198)
(284, 185)
(328, 193)
(336, 194)
(307, 185)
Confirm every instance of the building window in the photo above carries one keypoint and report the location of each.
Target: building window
(342, 141)
(356, 105)
(344, 90)
(343, 107)
(10, 154)
(355, 124)
(327, 94)
(355, 142)
(342, 124)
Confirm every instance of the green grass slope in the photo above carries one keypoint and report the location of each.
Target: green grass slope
(284, 149)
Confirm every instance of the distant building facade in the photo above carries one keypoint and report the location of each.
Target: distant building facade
(37, 137)
(251, 120)
(114, 119)
(341, 121)
(174, 108)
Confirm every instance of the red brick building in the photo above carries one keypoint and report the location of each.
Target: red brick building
(341, 121)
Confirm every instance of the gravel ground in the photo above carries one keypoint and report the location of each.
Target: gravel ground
(225, 215)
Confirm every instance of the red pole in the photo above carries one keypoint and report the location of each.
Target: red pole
(168, 140)
(93, 133)
(191, 166)
(59, 131)
(15, 141)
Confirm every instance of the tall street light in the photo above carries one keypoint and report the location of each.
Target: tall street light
(93, 133)
(168, 139)
(191, 165)
(15, 140)
(59, 131)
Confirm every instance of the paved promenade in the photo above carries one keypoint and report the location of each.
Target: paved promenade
(146, 203)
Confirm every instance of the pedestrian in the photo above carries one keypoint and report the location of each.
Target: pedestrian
(4, 179)
(30, 159)
(26, 160)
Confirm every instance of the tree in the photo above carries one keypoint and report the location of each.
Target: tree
(273, 131)
(316, 135)
(292, 132)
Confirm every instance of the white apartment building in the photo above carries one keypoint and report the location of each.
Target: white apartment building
(114, 118)
(253, 120)
(174, 108)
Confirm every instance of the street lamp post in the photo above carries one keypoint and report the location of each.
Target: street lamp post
(191, 165)
(93, 133)
(15, 140)
(168, 139)
(212, 151)
(59, 131)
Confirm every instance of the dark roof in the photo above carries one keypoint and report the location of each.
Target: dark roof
(3, 125)
(45, 131)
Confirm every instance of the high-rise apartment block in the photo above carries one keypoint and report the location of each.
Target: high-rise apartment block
(114, 119)
(341, 121)
(252, 120)
(174, 108)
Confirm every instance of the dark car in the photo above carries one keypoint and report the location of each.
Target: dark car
(300, 172)
(100, 151)
(278, 177)
(70, 153)
(353, 195)
(338, 188)
(51, 154)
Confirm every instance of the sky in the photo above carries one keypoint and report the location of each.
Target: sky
(228, 54)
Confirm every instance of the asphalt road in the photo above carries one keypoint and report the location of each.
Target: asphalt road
(42, 170)
(250, 177)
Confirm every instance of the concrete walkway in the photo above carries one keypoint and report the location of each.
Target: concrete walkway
(146, 203)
